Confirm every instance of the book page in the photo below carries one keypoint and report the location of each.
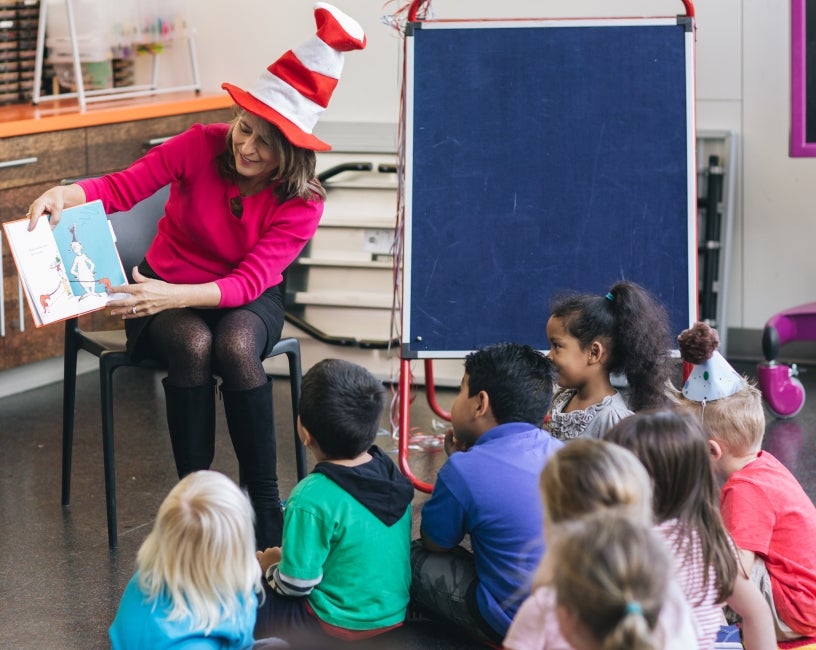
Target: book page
(85, 241)
(65, 271)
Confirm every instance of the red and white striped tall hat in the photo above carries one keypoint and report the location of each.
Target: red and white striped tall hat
(294, 91)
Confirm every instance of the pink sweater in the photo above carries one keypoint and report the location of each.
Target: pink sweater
(199, 240)
(535, 626)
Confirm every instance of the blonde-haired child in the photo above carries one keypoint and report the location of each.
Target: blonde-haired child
(770, 517)
(197, 577)
(672, 447)
(585, 477)
(608, 581)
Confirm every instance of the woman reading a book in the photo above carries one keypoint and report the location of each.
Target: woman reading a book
(244, 201)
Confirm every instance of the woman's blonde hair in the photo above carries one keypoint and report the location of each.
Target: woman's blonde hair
(588, 475)
(201, 552)
(612, 574)
(295, 175)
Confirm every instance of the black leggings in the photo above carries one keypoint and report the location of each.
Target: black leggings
(195, 344)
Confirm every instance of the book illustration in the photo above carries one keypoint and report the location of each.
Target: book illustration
(63, 287)
(66, 271)
(83, 268)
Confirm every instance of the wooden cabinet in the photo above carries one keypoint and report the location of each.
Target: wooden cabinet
(42, 157)
(29, 165)
(22, 342)
(114, 146)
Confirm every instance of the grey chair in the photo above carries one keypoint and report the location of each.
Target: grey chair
(134, 231)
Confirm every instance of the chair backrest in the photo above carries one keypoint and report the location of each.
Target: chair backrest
(135, 228)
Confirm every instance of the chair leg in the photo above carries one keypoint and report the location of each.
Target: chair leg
(291, 348)
(68, 405)
(295, 377)
(106, 395)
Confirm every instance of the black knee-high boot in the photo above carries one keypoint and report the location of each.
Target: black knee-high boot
(251, 422)
(191, 421)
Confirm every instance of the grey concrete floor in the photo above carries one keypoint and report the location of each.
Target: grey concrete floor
(60, 584)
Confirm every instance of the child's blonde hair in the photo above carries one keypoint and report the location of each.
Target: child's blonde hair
(612, 574)
(201, 552)
(732, 413)
(738, 420)
(588, 475)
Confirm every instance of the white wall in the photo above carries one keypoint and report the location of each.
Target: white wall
(779, 231)
(743, 84)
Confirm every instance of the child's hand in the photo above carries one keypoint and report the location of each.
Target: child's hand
(453, 444)
(268, 557)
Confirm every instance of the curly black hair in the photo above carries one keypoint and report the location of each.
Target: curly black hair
(634, 328)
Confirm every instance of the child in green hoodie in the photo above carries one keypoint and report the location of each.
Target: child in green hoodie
(343, 569)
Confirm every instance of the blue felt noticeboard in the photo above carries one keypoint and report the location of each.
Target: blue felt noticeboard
(543, 158)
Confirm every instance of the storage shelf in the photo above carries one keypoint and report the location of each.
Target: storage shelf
(342, 285)
(329, 298)
(372, 222)
(345, 262)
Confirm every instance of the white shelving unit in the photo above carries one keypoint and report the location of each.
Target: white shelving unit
(343, 283)
(714, 243)
(84, 95)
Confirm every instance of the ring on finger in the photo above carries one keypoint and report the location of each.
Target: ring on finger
(133, 309)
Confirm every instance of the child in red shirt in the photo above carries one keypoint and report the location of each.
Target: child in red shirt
(764, 508)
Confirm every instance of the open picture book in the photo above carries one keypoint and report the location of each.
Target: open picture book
(66, 271)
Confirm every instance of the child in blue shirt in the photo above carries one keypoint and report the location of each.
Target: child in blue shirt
(487, 489)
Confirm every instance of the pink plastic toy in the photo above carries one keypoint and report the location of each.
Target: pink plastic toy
(783, 392)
